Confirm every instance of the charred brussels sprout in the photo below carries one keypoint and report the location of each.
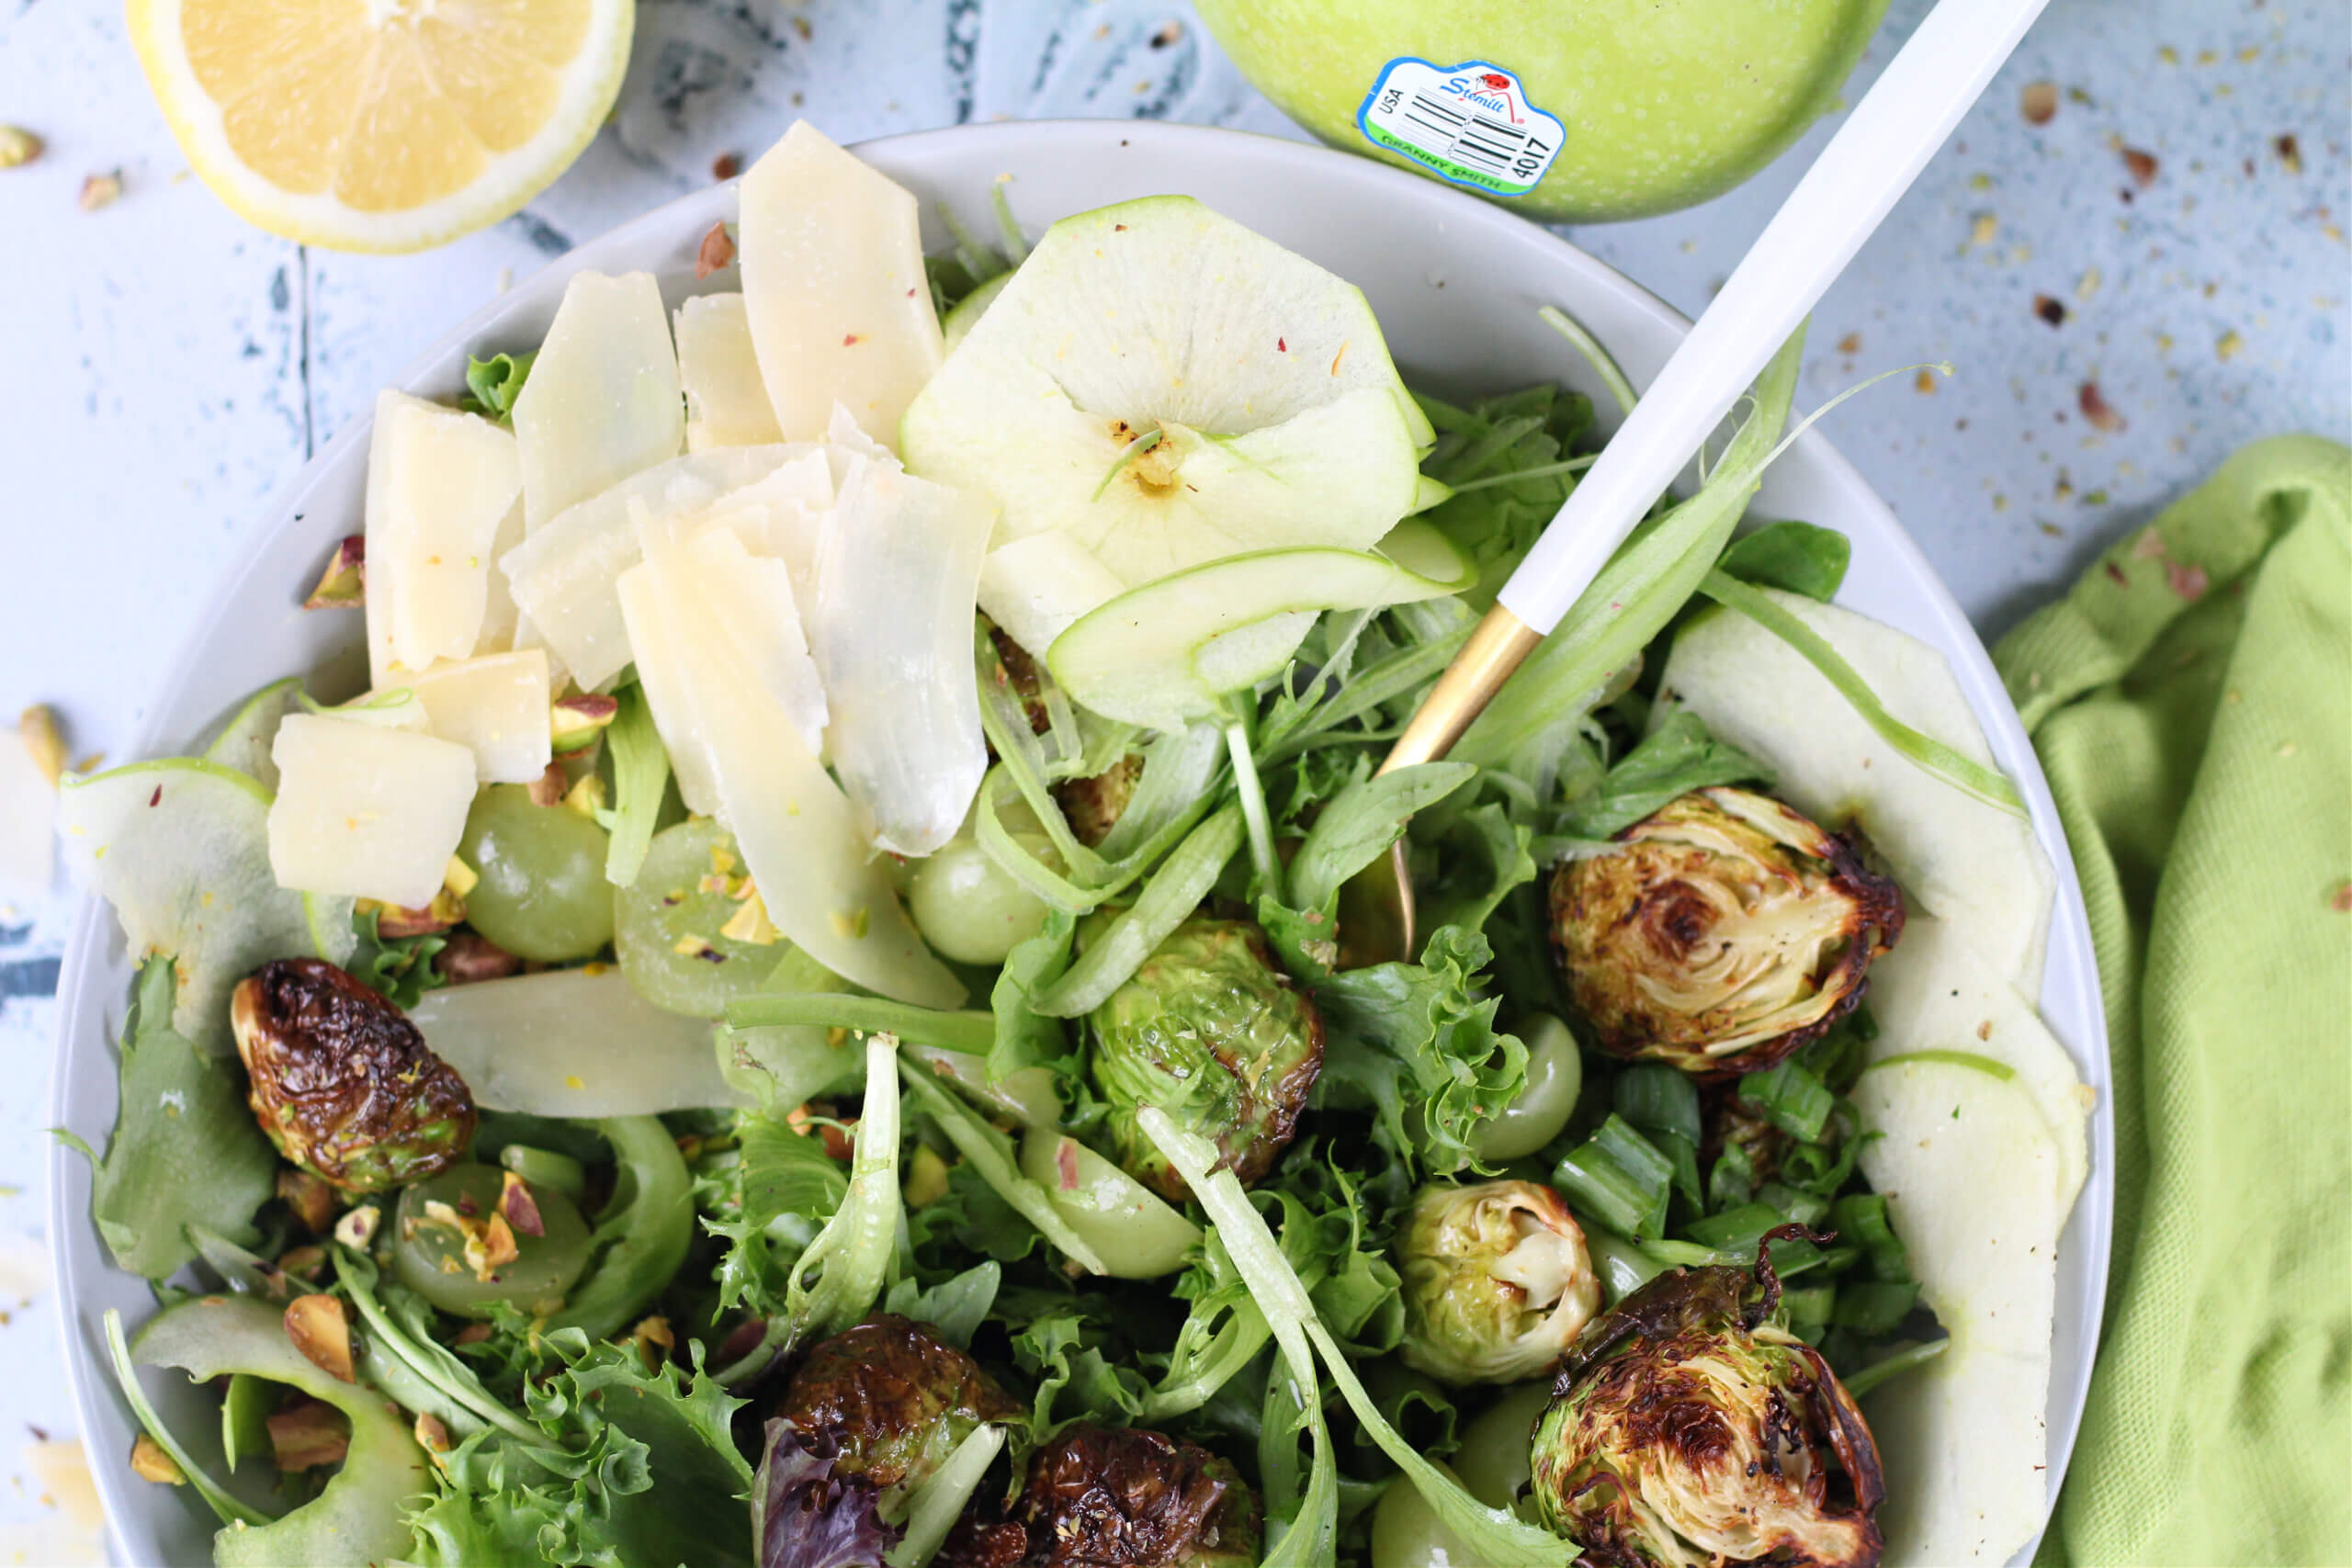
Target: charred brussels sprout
(342, 1082)
(1211, 1032)
(1722, 933)
(1096, 805)
(1495, 1282)
(1688, 1425)
(891, 1400)
(1096, 1498)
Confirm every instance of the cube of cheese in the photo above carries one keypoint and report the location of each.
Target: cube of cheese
(495, 708)
(366, 811)
(438, 484)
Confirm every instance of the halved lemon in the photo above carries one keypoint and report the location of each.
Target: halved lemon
(381, 125)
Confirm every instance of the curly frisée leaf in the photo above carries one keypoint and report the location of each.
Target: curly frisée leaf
(837, 1280)
(1498, 1539)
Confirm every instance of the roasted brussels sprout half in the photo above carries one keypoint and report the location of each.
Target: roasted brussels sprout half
(890, 1400)
(342, 1082)
(1722, 933)
(1214, 1033)
(1097, 1498)
(1495, 1281)
(1688, 1425)
(1095, 805)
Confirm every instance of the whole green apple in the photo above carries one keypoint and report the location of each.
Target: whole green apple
(1570, 110)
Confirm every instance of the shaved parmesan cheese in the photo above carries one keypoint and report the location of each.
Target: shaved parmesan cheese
(1971, 1180)
(603, 400)
(181, 850)
(439, 482)
(754, 604)
(366, 811)
(1035, 588)
(563, 575)
(573, 1043)
(897, 565)
(502, 617)
(728, 736)
(726, 404)
(1933, 992)
(1969, 863)
(834, 282)
(496, 707)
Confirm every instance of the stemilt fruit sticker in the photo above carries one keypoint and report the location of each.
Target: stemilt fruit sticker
(1472, 123)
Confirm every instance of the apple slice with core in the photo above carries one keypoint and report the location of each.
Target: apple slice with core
(245, 740)
(181, 850)
(1970, 1174)
(1165, 388)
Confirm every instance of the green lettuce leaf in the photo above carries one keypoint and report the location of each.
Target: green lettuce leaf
(1676, 758)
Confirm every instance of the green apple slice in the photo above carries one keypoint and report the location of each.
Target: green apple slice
(1138, 1235)
(573, 1043)
(1969, 863)
(1934, 992)
(244, 740)
(1168, 387)
(180, 848)
(1163, 654)
(970, 308)
(1971, 1178)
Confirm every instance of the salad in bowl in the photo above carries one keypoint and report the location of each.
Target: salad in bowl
(833, 997)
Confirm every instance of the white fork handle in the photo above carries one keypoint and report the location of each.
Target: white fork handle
(1868, 165)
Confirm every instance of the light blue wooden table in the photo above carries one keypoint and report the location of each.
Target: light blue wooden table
(165, 369)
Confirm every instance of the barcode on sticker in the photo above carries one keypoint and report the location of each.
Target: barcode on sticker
(1471, 124)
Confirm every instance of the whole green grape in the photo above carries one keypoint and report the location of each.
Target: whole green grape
(968, 908)
(542, 894)
(429, 1237)
(667, 924)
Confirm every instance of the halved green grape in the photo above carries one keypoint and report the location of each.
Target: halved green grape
(437, 1218)
(1407, 1533)
(968, 908)
(542, 894)
(667, 926)
(1555, 1078)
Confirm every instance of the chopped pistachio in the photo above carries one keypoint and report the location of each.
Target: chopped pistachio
(749, 923)
(100, 190)
(322, 1333)
(37, 728)
(587, 796)
(521, 1209)
(575, 720)
(357, 1227)
(458, 878)
(926, 1180)
(343, 584)
(149, 1463)
(18, 146)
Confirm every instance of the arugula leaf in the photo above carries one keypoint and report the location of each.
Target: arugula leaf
(1676, 758)
(493, 384)
(641, 778)
(1361, 822)
(1797, 557)
(1416, 1035)
(185, 1150)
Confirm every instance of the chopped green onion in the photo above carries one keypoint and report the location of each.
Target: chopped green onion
(1809, 1309)
(1801, 1207)
(1790, 1098)
(1660, 1099)
(1860, 1218)
(1964, 773)
(1602, 363)
(971, 1032)
(990, 1153)
(1620, 1178)
(546, 1167)
(1622, 1267)
(1908, 1358)
(1174, 893)
(931, 1512)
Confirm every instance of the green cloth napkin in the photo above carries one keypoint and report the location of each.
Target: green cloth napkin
(2191, 699)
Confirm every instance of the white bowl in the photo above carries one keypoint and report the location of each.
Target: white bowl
(1456, 282)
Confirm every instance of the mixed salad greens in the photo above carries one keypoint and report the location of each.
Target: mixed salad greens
(833, 1003)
